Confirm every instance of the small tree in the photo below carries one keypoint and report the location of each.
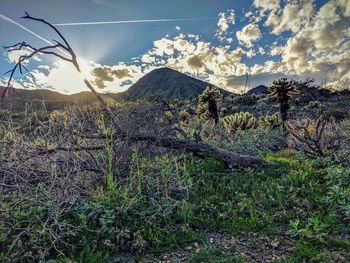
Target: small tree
(282, 89)
(208, 99)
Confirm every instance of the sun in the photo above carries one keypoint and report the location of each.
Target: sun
(63, 77)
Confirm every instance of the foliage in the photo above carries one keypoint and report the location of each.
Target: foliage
(208, 99)
(258, 141)
(282, 89)
(107, 131)
(56, 204)
(336, 112)
(312, 230)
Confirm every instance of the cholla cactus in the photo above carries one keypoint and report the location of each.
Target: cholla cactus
(282, 89)
(270, 120)
(184, 116)
(209, 98)
(242, 121)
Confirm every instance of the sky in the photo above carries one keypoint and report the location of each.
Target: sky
(233, 44)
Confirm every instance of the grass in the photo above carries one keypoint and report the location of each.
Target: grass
(170, 201)
(260, 201)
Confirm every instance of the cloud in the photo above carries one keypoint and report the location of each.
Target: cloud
(195, 62)
(225, 19)
(248, 14)
(102, 74)
(248, 34)
(276, 50)
(291, 17)
(266, 5)
(14, 55)
(178, 28)
(320, 42)
(163, 47)
(63, 77)
(261, 51)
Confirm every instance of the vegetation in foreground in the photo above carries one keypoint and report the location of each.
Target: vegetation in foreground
(73, 192)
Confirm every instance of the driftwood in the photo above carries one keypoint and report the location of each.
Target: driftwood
(195, 146)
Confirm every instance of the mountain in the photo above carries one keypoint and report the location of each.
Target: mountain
(168, 83)
(261, 89)
(163, 81)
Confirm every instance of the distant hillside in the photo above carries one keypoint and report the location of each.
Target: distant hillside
(169, 83)
(16, 99)
(164, 81)
(261, 89)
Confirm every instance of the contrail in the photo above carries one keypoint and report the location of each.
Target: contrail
(130, 21)
(7, 19)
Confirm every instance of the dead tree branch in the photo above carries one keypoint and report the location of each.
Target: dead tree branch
(310, 136)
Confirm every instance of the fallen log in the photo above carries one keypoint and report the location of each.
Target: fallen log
(200, 148)
(204, 149)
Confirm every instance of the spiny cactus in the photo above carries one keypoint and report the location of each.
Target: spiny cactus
(282, 89)
(242, 121)
(184, 116)
(209, 99)
(270, 120)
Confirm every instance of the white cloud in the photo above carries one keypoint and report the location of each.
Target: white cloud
(177, 28)
(261, 51)
(291, 17)
(226, 18)
(320, 46)
(147, 58)
(251, 53)
(163, 47)
(14, 55)
(276, 50)
(248, 34)
(266, 5)
(248, 14)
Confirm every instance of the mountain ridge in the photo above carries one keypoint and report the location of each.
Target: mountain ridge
(166, 82)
